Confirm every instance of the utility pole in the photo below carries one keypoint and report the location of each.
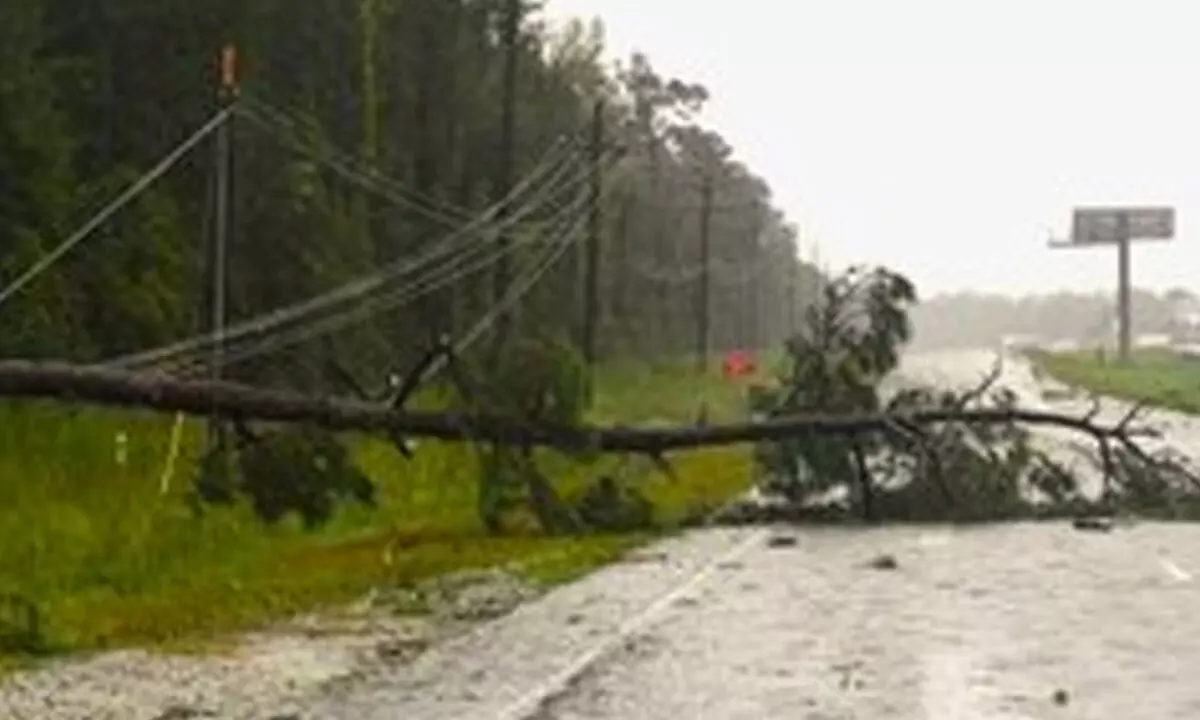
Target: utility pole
(219, 259)
(504, 173)
(702, 291)
(591, 283)
(792, 309)
(664, 297)
(750, 330)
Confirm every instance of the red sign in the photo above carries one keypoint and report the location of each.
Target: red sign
(738, 364)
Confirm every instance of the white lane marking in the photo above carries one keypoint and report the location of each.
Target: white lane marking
(1174, 570)
(937, 538)
(946, 690)
(530, 701)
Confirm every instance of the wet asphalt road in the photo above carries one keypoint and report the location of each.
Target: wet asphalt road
(1019, 621)
(1012, 621)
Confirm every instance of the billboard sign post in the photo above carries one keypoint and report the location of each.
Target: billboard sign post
(1119, 226)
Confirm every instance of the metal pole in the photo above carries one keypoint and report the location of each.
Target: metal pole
(702, 299)
(1124, 313)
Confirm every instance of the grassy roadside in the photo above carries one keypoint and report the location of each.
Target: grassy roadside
(110, 556)
(1158, 377)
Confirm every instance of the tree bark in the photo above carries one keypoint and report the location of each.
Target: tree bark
(75, 383)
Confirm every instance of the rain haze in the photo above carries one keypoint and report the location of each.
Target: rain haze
(947, 139)
(350, 370)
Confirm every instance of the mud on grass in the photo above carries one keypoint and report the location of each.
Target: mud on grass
(98, 540)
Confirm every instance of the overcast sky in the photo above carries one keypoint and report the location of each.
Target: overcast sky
(947, 138)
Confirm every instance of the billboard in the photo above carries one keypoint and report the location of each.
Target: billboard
(1105, 225)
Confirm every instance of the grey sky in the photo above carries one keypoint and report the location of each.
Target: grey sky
(947, 138)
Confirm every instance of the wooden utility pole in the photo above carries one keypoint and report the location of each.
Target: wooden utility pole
(436, 308)
(750, 330)
(219, 249)
(702, 286)
(591, 284)
(470, 295)
(618, 287)
(664, 296)
(792, 299)
(504, 172)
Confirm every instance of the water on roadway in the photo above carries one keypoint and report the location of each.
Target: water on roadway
(1014, 621)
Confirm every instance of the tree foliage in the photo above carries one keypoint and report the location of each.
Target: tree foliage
(96, 91)
(542, 380)
(305, 472)
(850, 342)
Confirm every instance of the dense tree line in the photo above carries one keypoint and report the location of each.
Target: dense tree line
(979, 320)
(96, 91)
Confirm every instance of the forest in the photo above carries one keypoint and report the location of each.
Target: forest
(368, 134)
(971, 320)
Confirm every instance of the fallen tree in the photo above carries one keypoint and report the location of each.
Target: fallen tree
(822, 424)
(73, 383)
(233, 401)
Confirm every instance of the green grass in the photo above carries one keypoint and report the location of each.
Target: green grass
(1158, 377)
(668, 392)
(111, 558)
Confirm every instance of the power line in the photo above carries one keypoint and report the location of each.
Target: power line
(350, 291)
(392, 297)
(511, 297)
(269, 323)
(488, 320)
(514, 296)
(389, 189)
(358, 170)
(130, 193)
(370, 308)
(353, 169)
(360, 313)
